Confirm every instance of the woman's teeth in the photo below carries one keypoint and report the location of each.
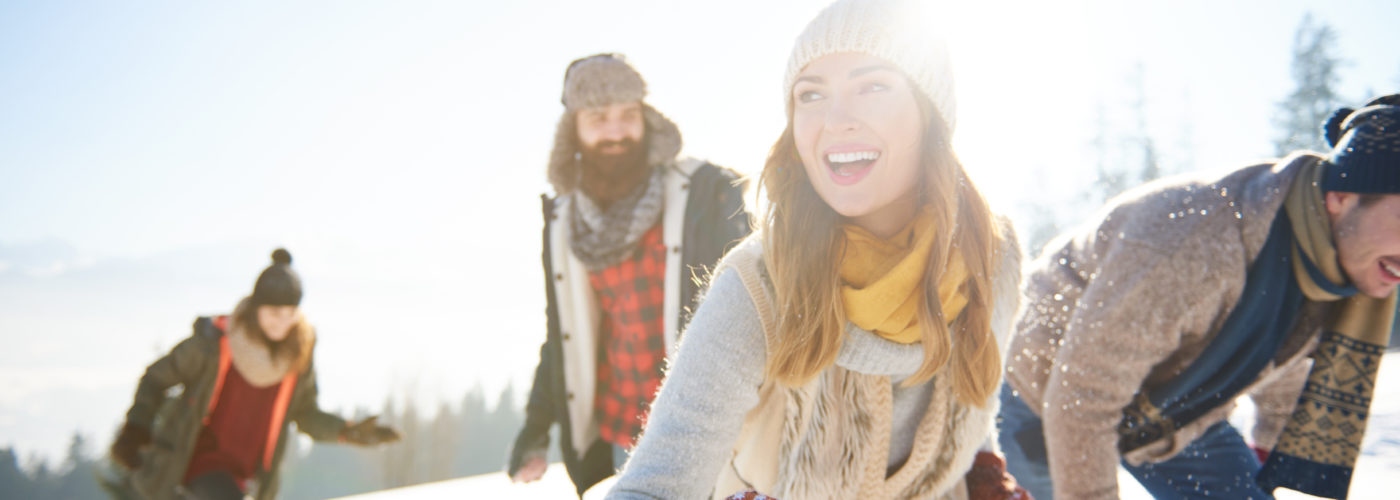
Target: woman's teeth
(848, 164)
(836, 158)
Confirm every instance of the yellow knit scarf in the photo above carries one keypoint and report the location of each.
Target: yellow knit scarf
(882, 279)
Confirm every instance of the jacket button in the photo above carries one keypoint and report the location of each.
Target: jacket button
(571, 396)
(685, 186)
(676, 249)
(559, 276)
(566, 336)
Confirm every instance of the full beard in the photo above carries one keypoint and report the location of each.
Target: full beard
(606, 178)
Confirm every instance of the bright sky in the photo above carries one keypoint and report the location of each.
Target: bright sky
(153, 154)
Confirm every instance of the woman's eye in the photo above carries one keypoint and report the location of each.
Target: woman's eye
(874, 87)
(808, 96)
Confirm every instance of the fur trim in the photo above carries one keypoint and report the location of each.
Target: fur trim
(600, 80)
(663, 140)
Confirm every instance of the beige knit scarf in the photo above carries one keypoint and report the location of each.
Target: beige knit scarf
(1322, 440)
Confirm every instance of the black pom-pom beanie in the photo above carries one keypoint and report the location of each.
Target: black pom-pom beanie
(1365, 155)
(278, 285)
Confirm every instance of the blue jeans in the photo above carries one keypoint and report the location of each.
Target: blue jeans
(1023, 442)
(619, 457)
(1216, 465)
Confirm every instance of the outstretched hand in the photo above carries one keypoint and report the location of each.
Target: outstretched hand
(126, 450)
(368, 433)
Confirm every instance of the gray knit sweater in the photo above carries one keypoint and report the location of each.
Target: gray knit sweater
(714, 381)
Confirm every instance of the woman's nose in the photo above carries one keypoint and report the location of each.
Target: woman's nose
(840, 116)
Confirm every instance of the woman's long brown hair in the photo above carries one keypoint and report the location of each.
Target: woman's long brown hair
(804, 244)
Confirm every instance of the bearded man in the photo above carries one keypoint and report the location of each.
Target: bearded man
(630, 228)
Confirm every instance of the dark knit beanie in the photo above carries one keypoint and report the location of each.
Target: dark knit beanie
(278, 285)
(1365, 148)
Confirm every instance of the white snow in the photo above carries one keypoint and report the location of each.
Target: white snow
(554, 484)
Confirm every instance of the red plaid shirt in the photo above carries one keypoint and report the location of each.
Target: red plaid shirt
(632, 346)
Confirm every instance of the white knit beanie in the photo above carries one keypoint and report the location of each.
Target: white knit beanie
(898, 31)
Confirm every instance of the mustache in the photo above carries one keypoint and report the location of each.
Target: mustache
(629, 145)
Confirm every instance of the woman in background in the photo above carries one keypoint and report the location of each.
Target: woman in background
(243, 378)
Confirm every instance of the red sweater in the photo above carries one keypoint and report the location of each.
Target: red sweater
(234, 438)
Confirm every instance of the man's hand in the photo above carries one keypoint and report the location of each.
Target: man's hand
(532, 470)
(527, 456)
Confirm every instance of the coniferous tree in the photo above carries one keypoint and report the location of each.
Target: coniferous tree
(1314, 96)
(441, 450)
(78, 480)
(13, 480)
(1151, 165)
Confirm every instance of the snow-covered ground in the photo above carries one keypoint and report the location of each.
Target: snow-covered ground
(1380, 458)
(554, 485)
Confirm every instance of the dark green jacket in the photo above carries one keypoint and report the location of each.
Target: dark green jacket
(175, 418)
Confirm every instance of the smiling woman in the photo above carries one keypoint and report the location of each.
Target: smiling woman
(851, 112)
(853, 347)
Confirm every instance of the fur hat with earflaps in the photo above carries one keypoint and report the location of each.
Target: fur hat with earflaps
(600, 80)
(1365, 155)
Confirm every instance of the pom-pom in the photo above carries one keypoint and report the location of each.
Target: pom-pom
(281, 256)
(1332, 128)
